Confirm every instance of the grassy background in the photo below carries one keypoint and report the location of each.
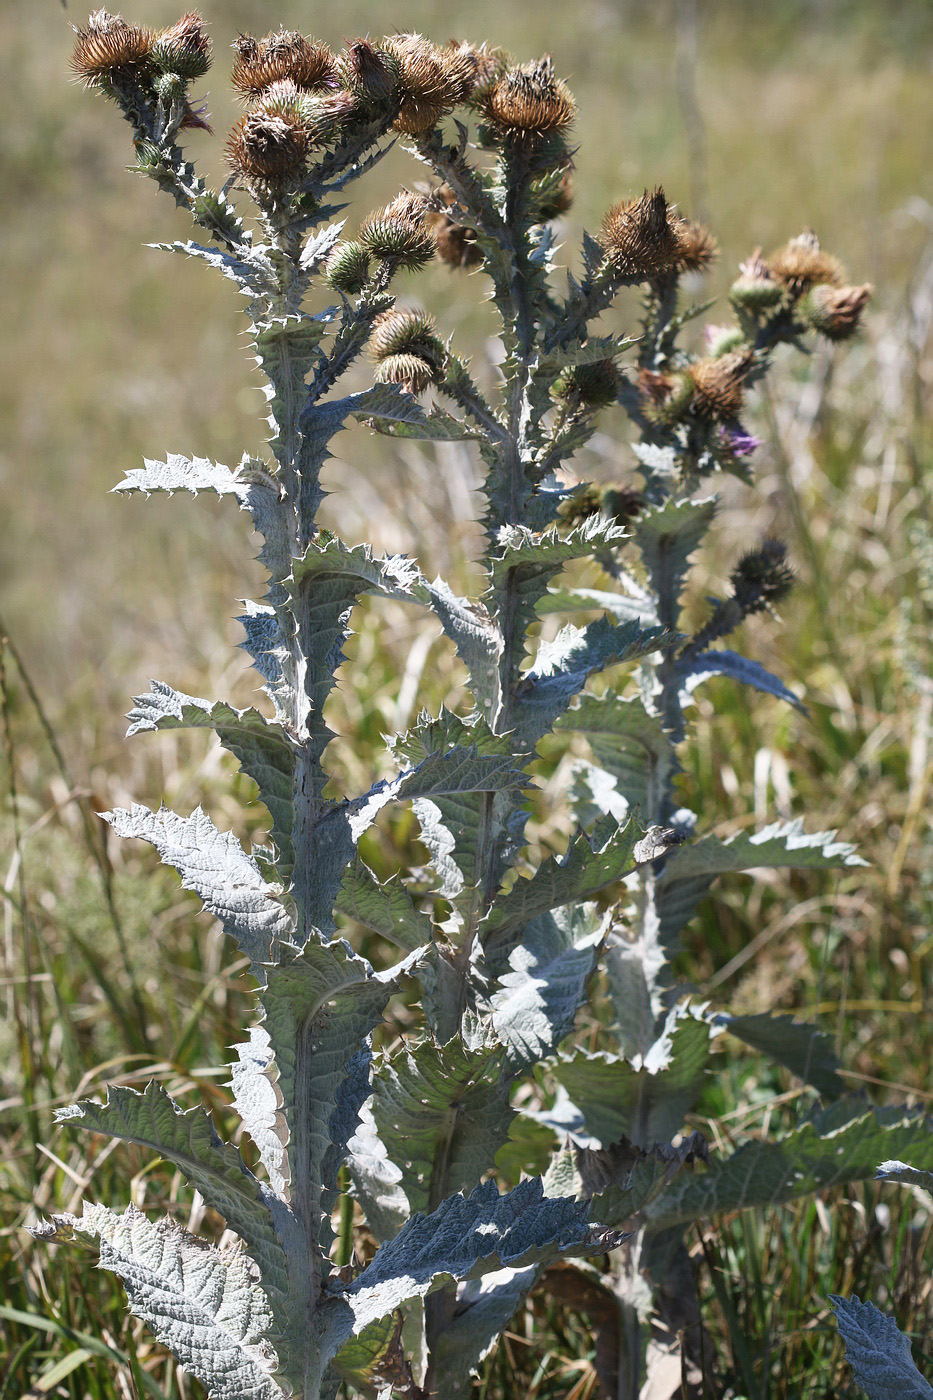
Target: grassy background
(785, 115)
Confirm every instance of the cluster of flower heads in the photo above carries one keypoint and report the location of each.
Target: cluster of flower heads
(804, 282)
(114, 55)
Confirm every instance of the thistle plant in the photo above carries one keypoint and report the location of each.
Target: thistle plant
(396, 1215)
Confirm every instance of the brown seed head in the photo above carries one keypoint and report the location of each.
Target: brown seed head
(836, 312)
(530, 98)
(432, 80)
(698, 247)
(456, 244)
(718, 385)
(183, 48)
(665, 397)
(109, 47)
(284, 54)
(268, 146)
(802, 264)
(641, 237)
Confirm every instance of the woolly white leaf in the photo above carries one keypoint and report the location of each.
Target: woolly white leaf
(906, 1174)
(484, 1307)
(189, 1141)
(467, 1237)
(317, 249)
(627, 742)
(215, 866)
(622, 606)
(376, 1179)
(667, 536)
(878, 1352)
(199, 1301)
(385, 906)
(262, 747)
(258, 1102)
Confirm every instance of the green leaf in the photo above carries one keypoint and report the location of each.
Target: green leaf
(843, 1143)
(473, 633)
(628, 743)
(563, 667)
(484, 1307)
(667, 536)
(391, 411)
(538, 996)
(690, 870)
(263, 749)
(646, 1102)
(200, 1302)
(385, 906)
(320, 1005)
(215, 1168)
(878, 1352)
(215, 866)
(804, 1050)
(287, 350)
(442, 1094)
(624, 607)
(591, 862)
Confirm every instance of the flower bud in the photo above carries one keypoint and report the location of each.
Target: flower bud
(398, 233)
(640, 237)
(755, 289)
(529, 99)
(285, 54)
(836, 311)
(762, 577)
(183, 48)
(348, 268)
(110, 48)
(722, 339)
(718, 384)
(802, 264)
(587, 386)
(665, 397)
(408, 332)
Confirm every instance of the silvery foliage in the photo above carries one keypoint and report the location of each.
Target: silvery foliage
(414, 1132)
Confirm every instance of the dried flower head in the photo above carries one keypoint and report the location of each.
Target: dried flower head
(109, 47)
(587, 386)
(641, 237)
(399, 233)
(622, 503)
(698, 247)
(195, 118)
(802, 264)
(259, 63)
(836, 312)
(762, 577)
(718, 384)
(348, 267)
(184, 48)
(432, 80)
(530, 98)
(664, 397)
(371, 73)
(755, 289)
(269, 146)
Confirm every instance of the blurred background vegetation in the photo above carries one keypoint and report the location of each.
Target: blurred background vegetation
(761, 119)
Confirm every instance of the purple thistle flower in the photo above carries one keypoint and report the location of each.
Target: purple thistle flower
(737, 442)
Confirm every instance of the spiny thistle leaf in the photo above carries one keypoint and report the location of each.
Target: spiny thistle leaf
(843, 1143)
(385, 906)
(215, 866)
(263, 748)
(199, 1301)
(627, 742)
(189, 1141)
(719, 662)
(667, 536)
